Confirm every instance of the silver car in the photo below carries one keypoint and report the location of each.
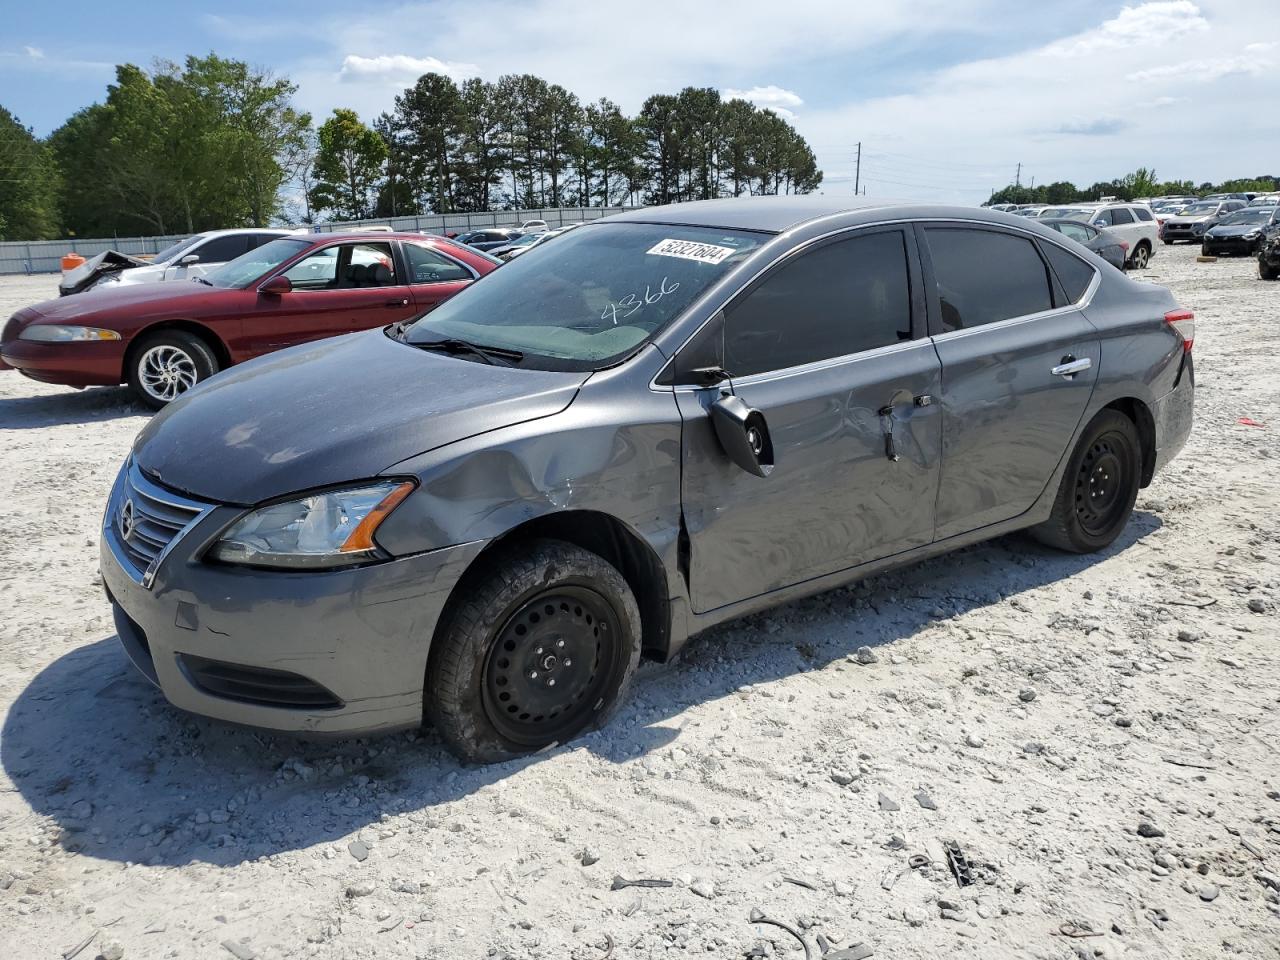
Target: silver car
(664, 420)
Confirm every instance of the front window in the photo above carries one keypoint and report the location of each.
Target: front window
(245, 269)
(1200, 210)
(591, 298)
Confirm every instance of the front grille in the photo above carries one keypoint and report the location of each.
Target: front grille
(257, 685)
(146, 518)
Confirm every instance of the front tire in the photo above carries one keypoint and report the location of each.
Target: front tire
(1098, 489)
(541, 649)
(165, 365)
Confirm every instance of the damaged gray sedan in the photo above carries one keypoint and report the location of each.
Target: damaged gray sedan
(666, 419)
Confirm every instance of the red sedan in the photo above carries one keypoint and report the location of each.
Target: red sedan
(163, 338)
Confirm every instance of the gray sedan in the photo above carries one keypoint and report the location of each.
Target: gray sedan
(665, 420)
(1110, 248)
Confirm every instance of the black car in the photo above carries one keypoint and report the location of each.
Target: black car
(490, 237)
(1269, 257)
(1109, 247)
(1241, 232)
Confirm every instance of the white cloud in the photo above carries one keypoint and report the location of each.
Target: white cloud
(35, 53)
(1148, 24)
(400, 69)
(1201, 71)
(769, 98)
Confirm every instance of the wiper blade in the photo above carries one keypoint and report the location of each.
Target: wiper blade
(207, 283)
(454, 345)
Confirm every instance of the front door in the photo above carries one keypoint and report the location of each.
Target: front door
(829, 345)
(1019, 361)
(336, 289)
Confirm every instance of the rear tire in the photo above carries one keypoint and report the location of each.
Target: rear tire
(1141, 256)
(1098, 488)
(1266, 272)
(542, 648)
(165, 365)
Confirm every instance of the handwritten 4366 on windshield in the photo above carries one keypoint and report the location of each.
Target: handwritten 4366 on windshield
(633, 302)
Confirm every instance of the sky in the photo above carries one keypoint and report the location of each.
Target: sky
(947, 97)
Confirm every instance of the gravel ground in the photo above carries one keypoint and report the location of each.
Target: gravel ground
(1098, 734)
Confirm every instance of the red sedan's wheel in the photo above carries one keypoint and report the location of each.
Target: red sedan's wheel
(165, 365)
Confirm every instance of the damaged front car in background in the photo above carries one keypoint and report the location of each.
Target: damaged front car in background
(662, 420)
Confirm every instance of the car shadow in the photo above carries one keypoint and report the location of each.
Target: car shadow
(126, 777)
(93, 404)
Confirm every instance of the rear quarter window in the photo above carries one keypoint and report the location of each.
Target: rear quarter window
(1143, 213)
(1073, 273)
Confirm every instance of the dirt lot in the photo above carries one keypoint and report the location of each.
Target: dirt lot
(1099, 734)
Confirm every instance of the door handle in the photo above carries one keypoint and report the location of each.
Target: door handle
(402, 302)
(1070, 366)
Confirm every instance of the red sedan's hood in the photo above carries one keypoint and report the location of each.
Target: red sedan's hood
(136, 300)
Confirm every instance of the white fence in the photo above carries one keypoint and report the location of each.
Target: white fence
(45, 256)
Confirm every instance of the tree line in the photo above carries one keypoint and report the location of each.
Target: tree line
(213, 142)
(1143, 182)
(523, 142)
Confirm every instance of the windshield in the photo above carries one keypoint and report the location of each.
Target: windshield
(1199, 209)
(1075, 213)
(1262, 215)
(248, 267)
(171, 252)
(592, 297)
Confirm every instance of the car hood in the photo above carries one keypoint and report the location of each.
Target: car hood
(337, 411)
(134, 299)
(1234, 229)
(1188, 219)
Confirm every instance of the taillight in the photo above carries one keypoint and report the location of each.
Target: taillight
(1124, 245)
(1184, 323)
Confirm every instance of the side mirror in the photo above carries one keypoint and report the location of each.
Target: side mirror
(277, 286)
(1100, 223)
(743, 433)
(189, 259)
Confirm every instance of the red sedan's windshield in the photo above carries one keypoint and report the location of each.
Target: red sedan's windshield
(248, 267)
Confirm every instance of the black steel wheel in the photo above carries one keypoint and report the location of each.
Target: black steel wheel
(1098, 488)
(550, 664)
(538, 646)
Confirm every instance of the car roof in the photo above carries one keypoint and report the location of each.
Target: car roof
(282, 231)
(368, 237)
(776, 214)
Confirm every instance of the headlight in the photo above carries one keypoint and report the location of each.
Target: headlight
(323, 530)
(1253, 235)
(54, 333)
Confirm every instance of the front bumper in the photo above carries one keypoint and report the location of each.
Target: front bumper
(255, 646)
(85, 364)
(1236, 245)
(1180, 232)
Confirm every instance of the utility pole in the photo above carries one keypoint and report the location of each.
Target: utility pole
(857, 170)
(1017, 179)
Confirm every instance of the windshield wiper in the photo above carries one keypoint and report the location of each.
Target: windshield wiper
(207, 283)
(454, 345)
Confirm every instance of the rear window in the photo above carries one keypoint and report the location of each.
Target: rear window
(985, 277)
(1143, 213)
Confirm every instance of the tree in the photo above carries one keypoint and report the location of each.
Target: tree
(28, 183)
(348, 166)
(425, 122)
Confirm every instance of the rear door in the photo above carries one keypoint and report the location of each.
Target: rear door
(1019, 362)
(433, 276)
(830, 346)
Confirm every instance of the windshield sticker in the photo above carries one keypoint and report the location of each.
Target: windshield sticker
(690, 250)
(633, 302)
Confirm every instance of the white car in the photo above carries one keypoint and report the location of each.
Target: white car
(184, 260)
(533, 226)
(1133, 223)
